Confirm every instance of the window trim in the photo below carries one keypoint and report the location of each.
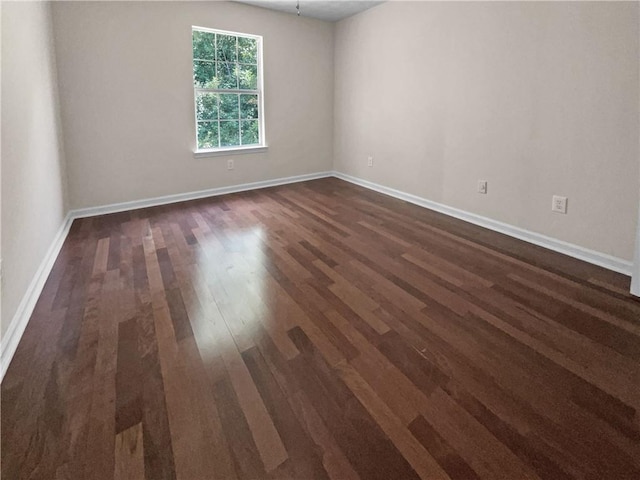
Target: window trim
(239, 149)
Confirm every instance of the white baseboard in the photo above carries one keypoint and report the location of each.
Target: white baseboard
(591, 256)
(182, 197)
(635, 275)
(12, 336)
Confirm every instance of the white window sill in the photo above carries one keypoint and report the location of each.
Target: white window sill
(229, 151)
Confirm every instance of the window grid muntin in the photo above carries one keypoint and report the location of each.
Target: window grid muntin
(240, 119)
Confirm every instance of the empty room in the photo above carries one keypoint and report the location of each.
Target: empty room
(320, 240)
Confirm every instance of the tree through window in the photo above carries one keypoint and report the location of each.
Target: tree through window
(227, 77)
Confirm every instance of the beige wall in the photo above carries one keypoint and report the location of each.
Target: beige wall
(126, 93)
(33, 176)
(537, 98)
(1, 278)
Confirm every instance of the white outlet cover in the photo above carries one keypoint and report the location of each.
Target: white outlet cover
(559, 204)
(482, 186)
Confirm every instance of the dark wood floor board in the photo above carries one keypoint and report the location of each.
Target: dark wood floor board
(67, 272)
(129, 453)
(170, 366)
(351, 302)
(489, 346)
(314, 202)
(585, 294)
(318, 225)
(519, 412)
(445, 455)
(350, 423)
(306, 259)
(551, 378)
(268, 442)
(410, 333)
(463, 374)
(333, 343)
(68, 340)
(157, 237)
(420, 459)
(485, 454)
(207, 322)
(626, 392)
(370, 235)
(290, 265)
(311, 213)
(393, 301)
(465, 365)
(526, 260)
(409, 229)
(156, 436)
(23, 432)
(208, 447)
(320, 330)
(520, 338)
(539, 454)
(630, 326)
(601, 359)
(383, 286)
(422, 372)
(572, 390)
(193, 455)
(100, 437)
(401, 396)
(128, 377)
(214, 343)
(182, 418)
(276, 324)
(334, 460)
(80, 383)
(301, 450)
(310, 237)
(243, 449)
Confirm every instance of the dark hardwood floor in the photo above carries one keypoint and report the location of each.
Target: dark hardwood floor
(320, 330)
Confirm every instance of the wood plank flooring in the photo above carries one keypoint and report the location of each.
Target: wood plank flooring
(320, 330)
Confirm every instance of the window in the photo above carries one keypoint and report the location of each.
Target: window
(227, 78)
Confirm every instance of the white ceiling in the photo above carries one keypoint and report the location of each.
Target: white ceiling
(331, 11)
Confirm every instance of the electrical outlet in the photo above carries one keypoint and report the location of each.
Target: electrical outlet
(230, 164)
(370, 161)
(482, 186)
(559, 204)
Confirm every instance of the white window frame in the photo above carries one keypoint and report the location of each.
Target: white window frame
(237, 149)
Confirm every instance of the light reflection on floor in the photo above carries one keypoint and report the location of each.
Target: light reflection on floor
(229, 278)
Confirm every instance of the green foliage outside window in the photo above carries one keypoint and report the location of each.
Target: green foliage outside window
(225, 62)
